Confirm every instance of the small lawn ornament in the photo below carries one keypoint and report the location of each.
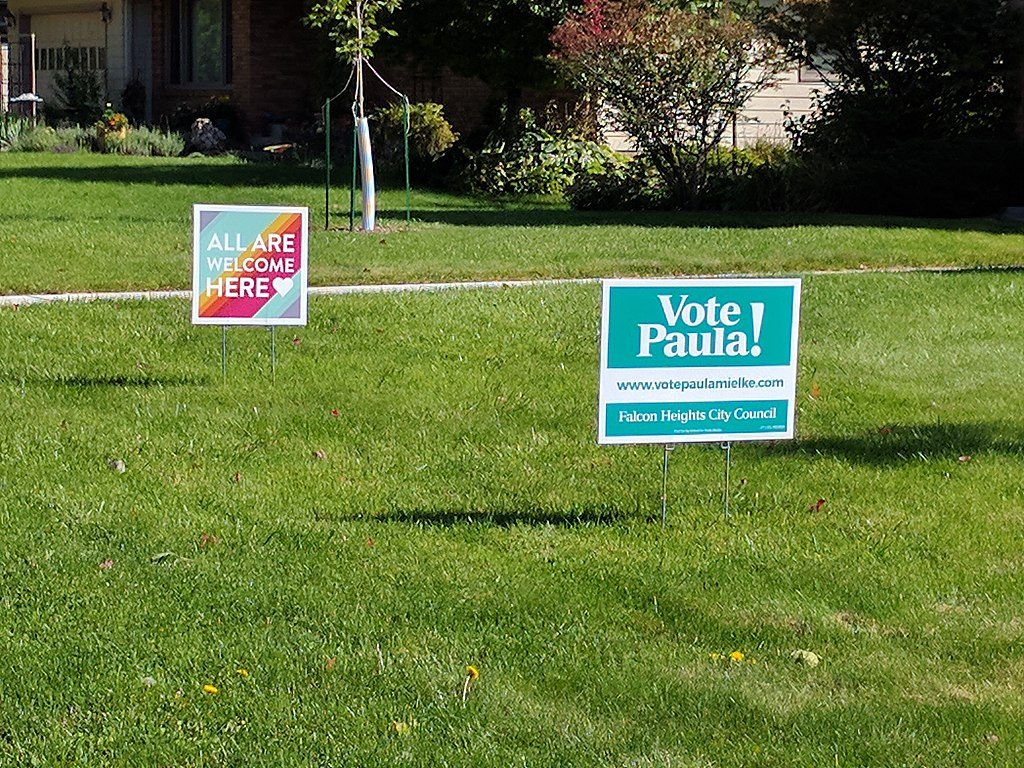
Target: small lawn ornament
(206, 137)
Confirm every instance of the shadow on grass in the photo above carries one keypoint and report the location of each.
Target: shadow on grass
(478, 211)
(185, 172)
(89, 382)
(563, 217)
(572, 517)
(899, 443)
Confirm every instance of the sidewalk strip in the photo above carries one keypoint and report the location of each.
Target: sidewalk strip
(343, 290)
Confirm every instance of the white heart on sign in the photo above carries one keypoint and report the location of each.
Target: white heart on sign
(283, 284)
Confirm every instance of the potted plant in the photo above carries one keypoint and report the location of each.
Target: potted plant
(113, 125)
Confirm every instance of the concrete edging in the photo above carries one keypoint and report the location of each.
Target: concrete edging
(28, 299)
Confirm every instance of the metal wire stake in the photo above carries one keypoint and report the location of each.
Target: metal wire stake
(725, 484)
(408, 189)
(664, 487)
(327, 165)
(224, 353)
(352, 186)
(273, 354)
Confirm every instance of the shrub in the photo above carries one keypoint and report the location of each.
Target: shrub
(133, 100)
(146, 142)
(45, 139)
(674, 77)
(901, 71)
(11, 129)
(522, 158)
(430, 137)
(619, 184)
(78, 90)
(637, 184)
(963, 177)
(951, 178)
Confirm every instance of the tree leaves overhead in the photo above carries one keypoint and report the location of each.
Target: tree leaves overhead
(503, 42)
(908, 69)
(342, 19)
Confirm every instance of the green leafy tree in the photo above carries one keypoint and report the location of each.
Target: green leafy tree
(353, 25)
(503, 42)
(897, 71)
(673, 77)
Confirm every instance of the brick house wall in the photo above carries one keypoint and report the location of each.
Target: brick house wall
(272, 69)
(283, 68)
(279, 66)
(470, 104)
(465, 99)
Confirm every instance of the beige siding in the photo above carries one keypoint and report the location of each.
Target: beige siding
(763, 117)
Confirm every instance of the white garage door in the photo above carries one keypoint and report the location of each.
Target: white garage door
(78, 35)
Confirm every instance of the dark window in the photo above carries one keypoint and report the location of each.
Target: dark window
(808, 74)
(199, 42)
(815, 70)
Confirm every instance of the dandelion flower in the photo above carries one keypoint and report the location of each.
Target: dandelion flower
(472, 673)
(737, 656)
(210, 689)
(243, 672)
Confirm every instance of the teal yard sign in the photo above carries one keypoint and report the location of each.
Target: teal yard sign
(691, 361)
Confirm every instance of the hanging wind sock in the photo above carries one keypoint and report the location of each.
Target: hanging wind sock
(366, 171)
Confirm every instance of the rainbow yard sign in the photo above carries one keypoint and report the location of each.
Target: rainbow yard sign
(691, 361)
(249, 265)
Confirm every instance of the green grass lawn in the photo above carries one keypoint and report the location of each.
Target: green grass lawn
(420, 490)
(81, 221)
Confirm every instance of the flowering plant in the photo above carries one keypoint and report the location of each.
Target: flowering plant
(112, 122)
